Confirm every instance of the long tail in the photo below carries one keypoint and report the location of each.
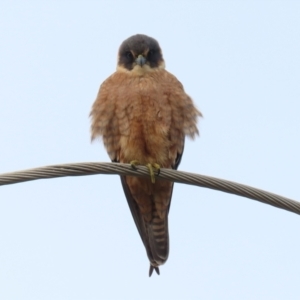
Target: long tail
(158, 240)
(154, 234)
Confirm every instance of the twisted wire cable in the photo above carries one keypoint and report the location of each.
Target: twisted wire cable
(93, 168)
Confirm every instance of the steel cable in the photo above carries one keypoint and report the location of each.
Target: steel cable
(93, 168)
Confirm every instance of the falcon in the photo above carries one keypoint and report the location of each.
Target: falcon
(143, 114)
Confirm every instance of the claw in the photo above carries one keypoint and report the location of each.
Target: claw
(134, 163)
(157, 167)
(153, 268)
(152, 176)
(151, 167)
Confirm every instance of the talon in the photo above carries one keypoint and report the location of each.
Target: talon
(149, 166)
(157, 167)
(134, 163)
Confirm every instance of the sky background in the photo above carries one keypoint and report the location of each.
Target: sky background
(74, 238)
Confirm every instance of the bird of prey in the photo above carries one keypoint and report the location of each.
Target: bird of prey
(143, 114)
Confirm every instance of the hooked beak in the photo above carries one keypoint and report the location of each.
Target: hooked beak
(141, 60)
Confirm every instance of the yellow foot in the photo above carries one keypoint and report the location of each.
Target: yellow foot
(151, 167)
(134, 163)
(155, 167)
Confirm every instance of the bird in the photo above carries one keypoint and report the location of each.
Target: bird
(143, 115)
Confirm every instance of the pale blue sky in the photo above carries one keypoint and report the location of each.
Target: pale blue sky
(74, 238)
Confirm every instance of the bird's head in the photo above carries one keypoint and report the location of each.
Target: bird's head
(139, 54)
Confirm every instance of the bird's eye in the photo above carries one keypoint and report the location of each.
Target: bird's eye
(151, 52)
(129, 55)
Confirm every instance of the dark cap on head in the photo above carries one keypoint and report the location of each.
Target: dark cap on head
(140, 46)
